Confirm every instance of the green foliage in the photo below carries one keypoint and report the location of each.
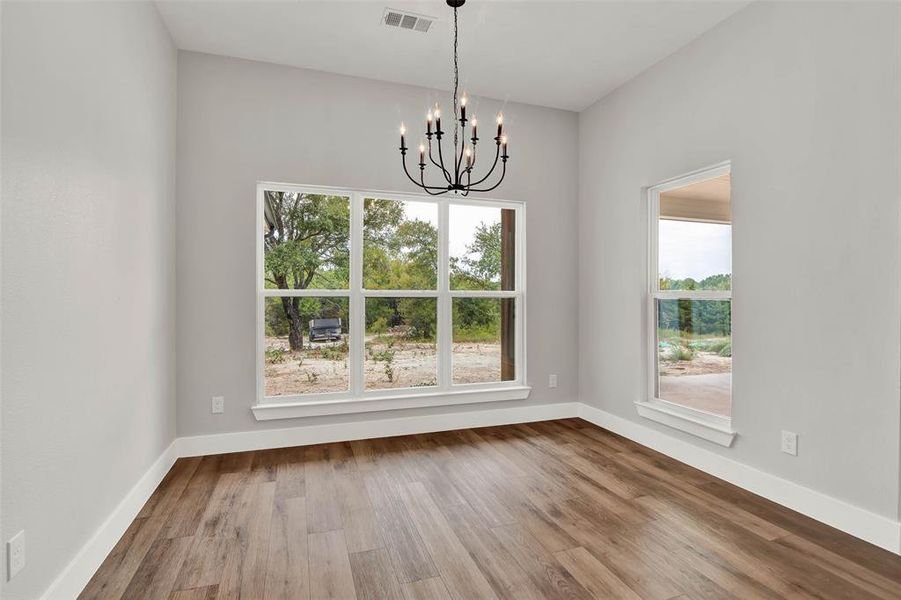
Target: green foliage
(308, 238)
(420, 316)
(477, 334)
(476, 319)
(480, 269)
(716, 346)
(379, 326)
(382, 355)
(275, 355)
(680, 353)
(697, 317)
(398, 253)
(411, 318)
(389, 367)
(333, 352)
(713, 282)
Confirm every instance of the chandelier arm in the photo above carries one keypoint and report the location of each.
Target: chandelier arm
(410, 177)
(503, 173)
(468, 181)
(493, 166)
(428, 188)
(443, 171)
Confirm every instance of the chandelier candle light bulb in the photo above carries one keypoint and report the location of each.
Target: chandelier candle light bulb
(457, 175)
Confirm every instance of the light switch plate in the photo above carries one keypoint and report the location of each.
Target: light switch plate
(552, 381)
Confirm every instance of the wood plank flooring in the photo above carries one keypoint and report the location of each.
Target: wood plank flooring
(558, 509)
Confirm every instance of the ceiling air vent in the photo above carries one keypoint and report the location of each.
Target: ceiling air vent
(406, 20)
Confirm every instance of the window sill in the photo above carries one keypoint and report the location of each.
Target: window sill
(710, 427)
(315, 408)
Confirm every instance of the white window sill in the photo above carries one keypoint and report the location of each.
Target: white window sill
(313, 408)
(712, 428)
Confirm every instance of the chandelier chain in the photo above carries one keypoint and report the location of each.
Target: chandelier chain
(456, 75)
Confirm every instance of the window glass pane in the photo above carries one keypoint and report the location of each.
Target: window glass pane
(482, 247)
(306, 241)
(694, 255)
(400, 245)
(401, 349)
(694, 354)
(306, 349)
(483, 340)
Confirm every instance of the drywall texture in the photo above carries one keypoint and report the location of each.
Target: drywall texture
(88, 121)
(803, 98)
(240, 122)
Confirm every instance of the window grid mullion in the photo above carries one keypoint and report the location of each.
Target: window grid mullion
(357, 307)
(307, 293)
(400, 293)
(692, 295)
(445, 337)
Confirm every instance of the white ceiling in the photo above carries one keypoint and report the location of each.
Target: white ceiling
(554, 53)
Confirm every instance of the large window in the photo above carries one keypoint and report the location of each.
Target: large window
(690, 294)
(368, 296)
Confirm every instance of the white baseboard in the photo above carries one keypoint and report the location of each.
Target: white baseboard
(79, 571)
(856, 521)
(319, 434)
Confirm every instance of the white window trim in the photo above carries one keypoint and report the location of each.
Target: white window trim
(711, 427)
(357, 399)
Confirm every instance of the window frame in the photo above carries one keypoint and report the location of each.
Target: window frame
(714, 428)
(357, 398)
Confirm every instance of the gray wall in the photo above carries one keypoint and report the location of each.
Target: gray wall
(241, 121)
(804, 99)
(88, 119)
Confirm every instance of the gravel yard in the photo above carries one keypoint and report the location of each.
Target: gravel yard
(324, 367)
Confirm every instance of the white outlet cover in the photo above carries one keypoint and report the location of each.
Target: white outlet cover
(218, 405)
(552, 381)
(15, 554)
(790, 442)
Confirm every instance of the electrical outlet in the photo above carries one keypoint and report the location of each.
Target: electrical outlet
(15, 554)
(218, 405)
(552, 380)
(790, 442)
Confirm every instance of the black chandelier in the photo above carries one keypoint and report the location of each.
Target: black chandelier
(459, 178)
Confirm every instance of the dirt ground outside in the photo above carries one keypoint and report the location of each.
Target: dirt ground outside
(324, 367)
(703, 363)
(703, 383)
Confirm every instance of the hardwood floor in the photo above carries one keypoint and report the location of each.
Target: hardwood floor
(559, 509)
